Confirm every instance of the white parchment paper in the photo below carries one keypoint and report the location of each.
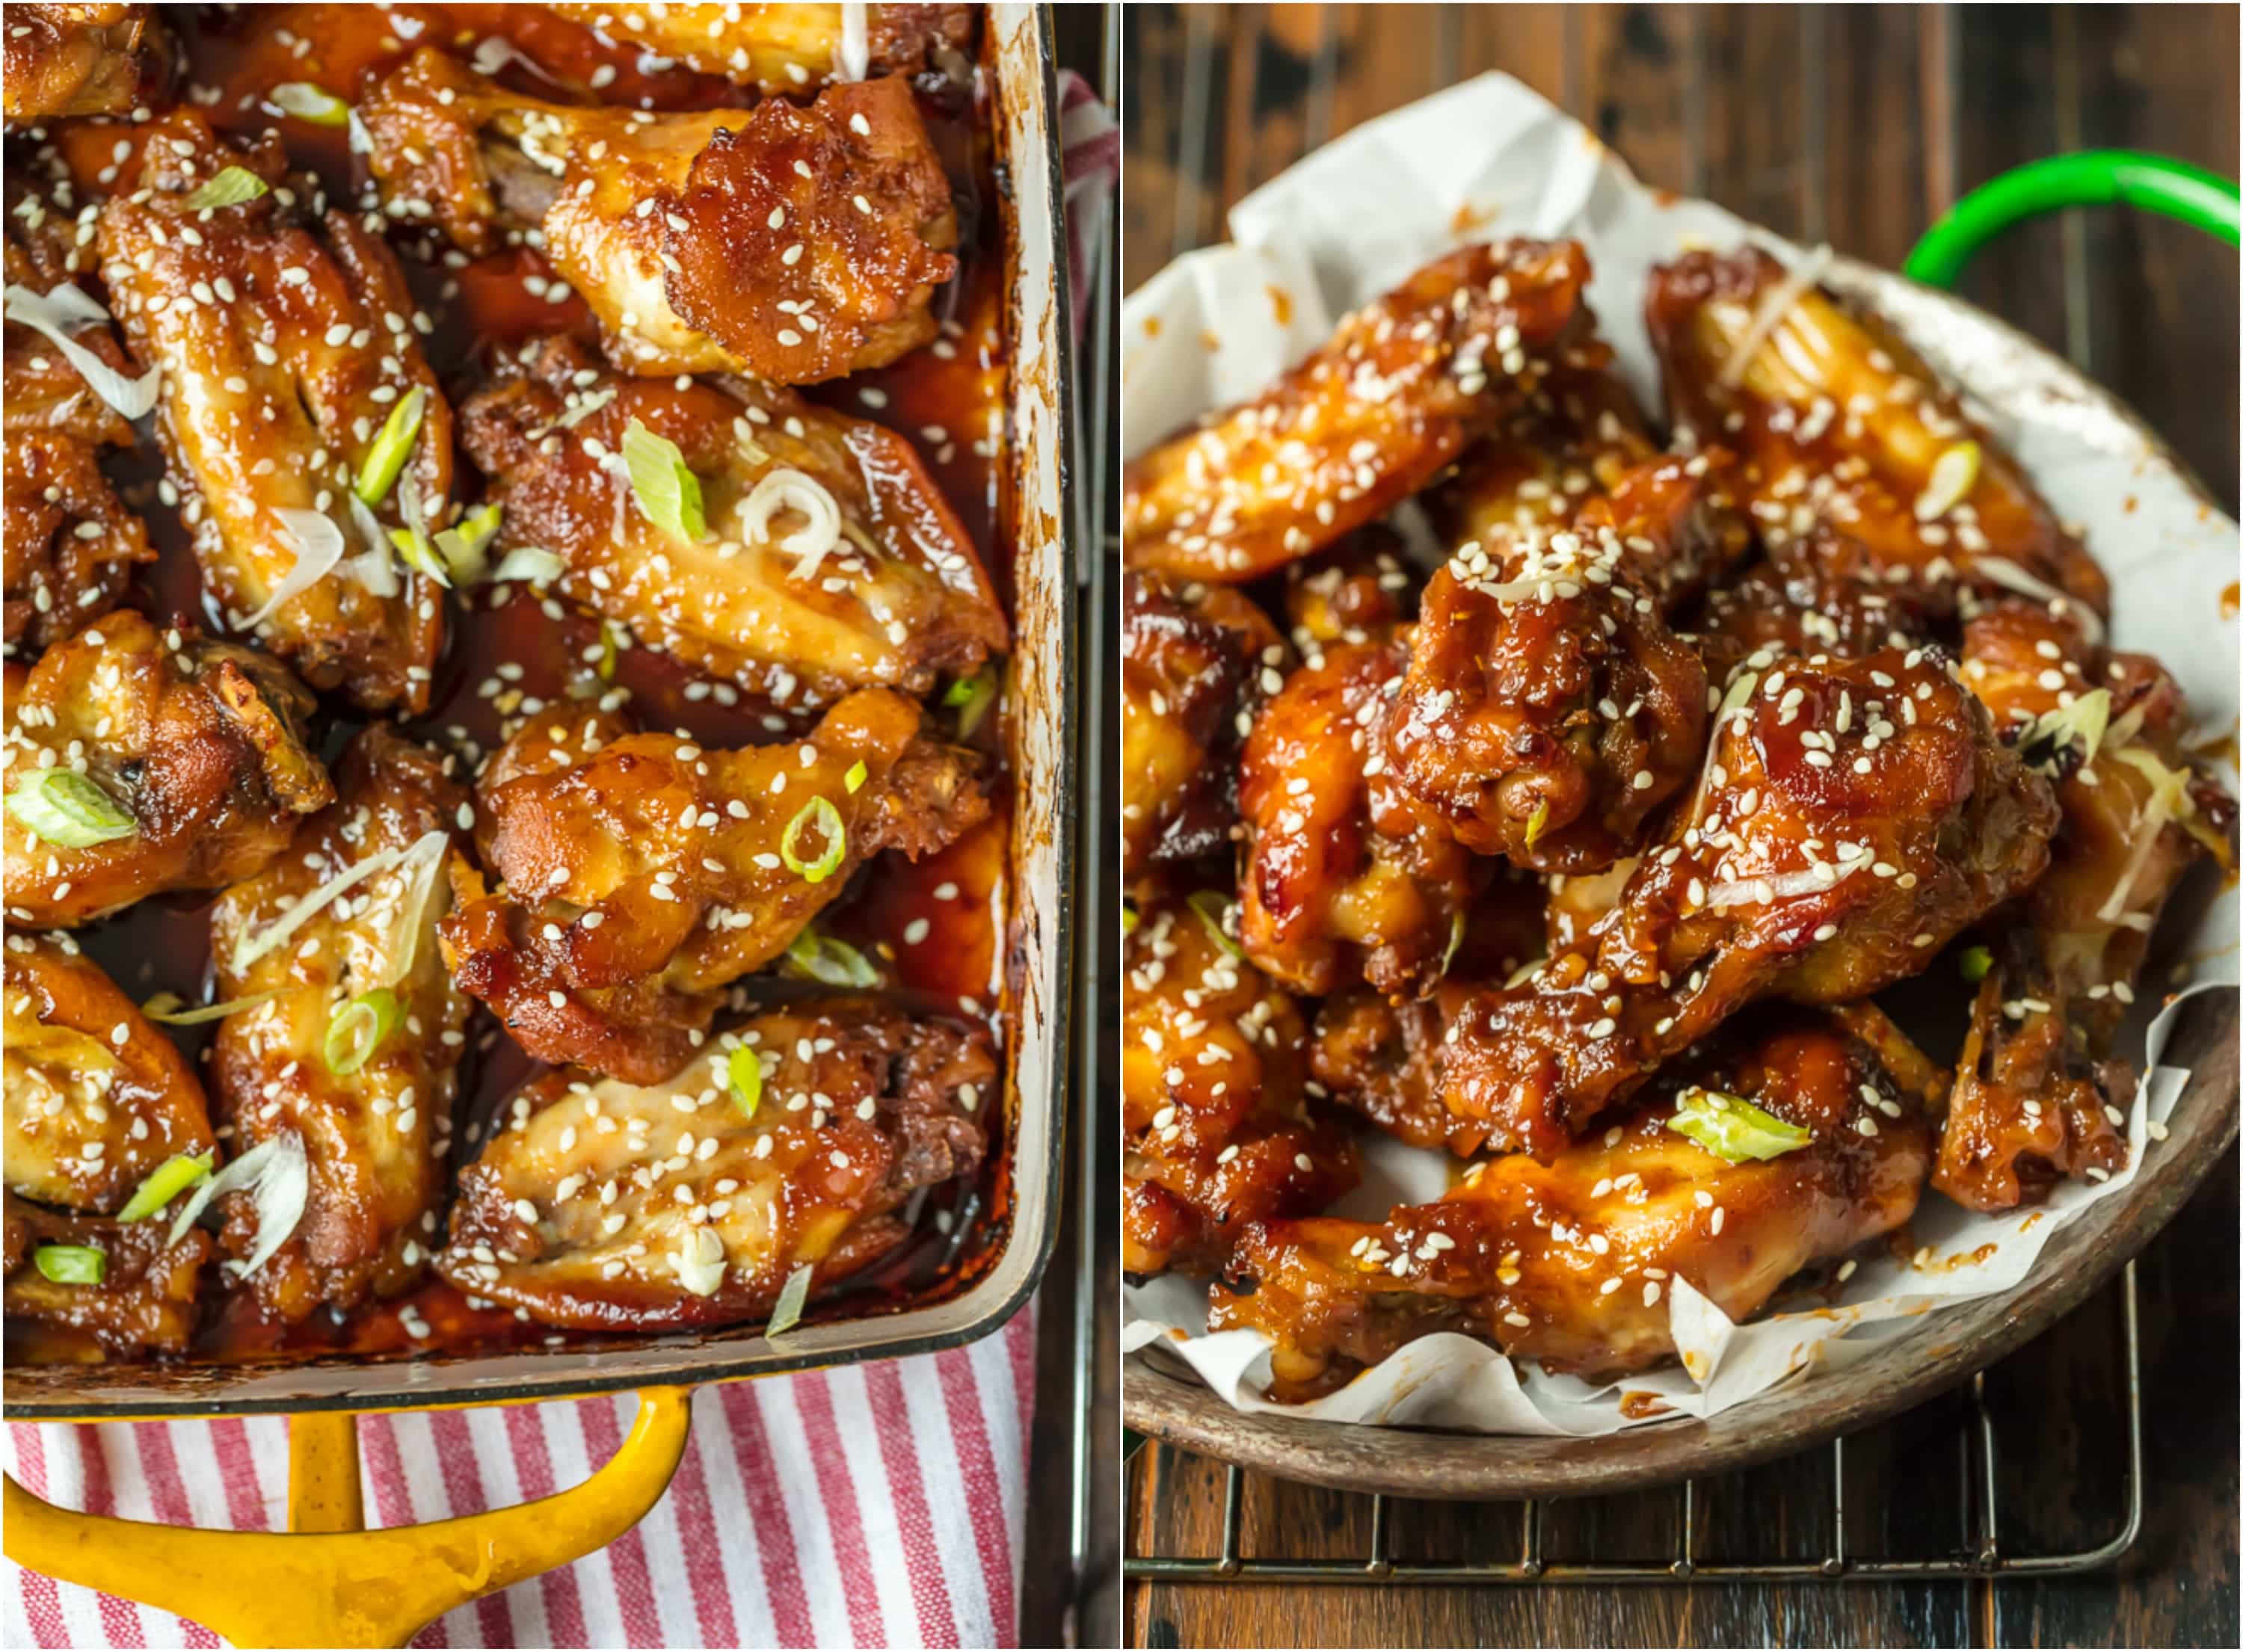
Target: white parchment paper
(1488, 158)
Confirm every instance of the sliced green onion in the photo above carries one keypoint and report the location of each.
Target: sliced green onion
(1214, 909)
(419, 555)
(359, 1028)
(820, 813)
(1973, 961)
(787, 1313)
(62, 806)
(165, 1007)
(836, 963)
(1954, 473)
(606, 666)
(1128, 918)
(972, 696)
(231, 187)
(378, 471)
(306, 102)
(854, 780)
(463, 547)
(1456, 939)
(166, 1183)
(1536, 822)
(1731, 1128)
(664, 485)
(2082, 723)
(72, 1264)
(743, 1074)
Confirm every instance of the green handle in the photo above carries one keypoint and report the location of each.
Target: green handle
(2092, 178)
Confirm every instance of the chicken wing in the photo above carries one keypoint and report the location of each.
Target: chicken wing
(1345, 874)
(1573, 1263)
(779, 48)
(1356, 591)
(2038, 1094)
(72, 544)
(64, 60)
(1404, 386)
(602, 1206)
(1198, 662)
(97, 1098)
(45, 393)
(1853, 817)
(352, 1055)
(1859, 464)
(831, 560)
(1573, 439)
(198, 749)
(795, 244)
(1217, 1130)
(285, 359)
(143, 1302)
(643, 874)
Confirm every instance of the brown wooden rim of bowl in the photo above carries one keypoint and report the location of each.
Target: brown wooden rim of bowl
(1415, 1462)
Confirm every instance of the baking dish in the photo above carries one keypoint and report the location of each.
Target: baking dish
(304, 1588)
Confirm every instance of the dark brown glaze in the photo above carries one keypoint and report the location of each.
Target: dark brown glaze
(71, 544)
(88, 59)
(44, 394)
(1217, 1130)
(1446, 356)
(1854, 816)
(145, 1302)
(1359, 590)
(1383, 1062)
(899, 601)
(1572, 1263)
(597, 1205)
(98, 1096)
(202, 744)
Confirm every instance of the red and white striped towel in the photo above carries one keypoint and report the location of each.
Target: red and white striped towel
(879, 1505)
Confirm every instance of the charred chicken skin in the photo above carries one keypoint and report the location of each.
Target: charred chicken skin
(1575, 1263)
(795, 243)
(198, 753)
(641, 875)
(1217, 1129)
(2038, 1094)
(1404, 387)
(599, 1205)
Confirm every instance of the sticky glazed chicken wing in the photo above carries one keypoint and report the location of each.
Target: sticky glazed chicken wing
(780, 47)
(71, 544)
(98, 1096)
(65, 60)
(2039, 1094)
(793, 243)
(126, 1287)
(1853, 816)
(1217, 1129)
(826, 558)
(1345, 874)
(347, 1049)
(139, 761)
(1575, 1263)
(598, 1204)
(1858, 463)
(1403, 387)
(48, 247)
(1198, 662)
(290, 368)
(642, 874)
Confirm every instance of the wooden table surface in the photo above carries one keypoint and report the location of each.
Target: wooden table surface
(1854, 125)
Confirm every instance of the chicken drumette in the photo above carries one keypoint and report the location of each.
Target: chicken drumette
(794, 242)
(86, 59)
(601, 1206)
(1216, 1127)
(1574, 1263)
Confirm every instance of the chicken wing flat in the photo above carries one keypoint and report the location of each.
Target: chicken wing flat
(1858, 461)
(643, 874)
(2038, 1094)
(1547, 712)
(831, 559)
(1198, 662)
(602, 1206)
(1346, 874)
(1404, 386)
(356, 1051)
(64, 60)
(1217, 1132)
(794, 243)
(780, 47)
(198, 751)
(285, 357)
(1854, 816)
(143, 1303)
(98, 1096)
(45, 393)
(1573, 1263)
(71, 544)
